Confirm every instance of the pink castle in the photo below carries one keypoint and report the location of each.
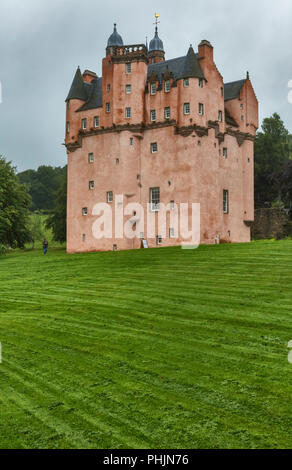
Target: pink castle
(159, 131)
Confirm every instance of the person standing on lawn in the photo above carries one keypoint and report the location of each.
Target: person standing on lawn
(45, 246)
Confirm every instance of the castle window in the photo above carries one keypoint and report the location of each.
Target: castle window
(154, 196)
(84, 211)
(128, 113)
(167, 86)
(90, 157)
(153, 147)
(108, 107)
(96, 121)
(186, 82)
(152, 88)
(241, 106)
(187, 108)
(117, 161)
(158, 240)
(109, 196)
(201, 109)
(224, 152)
(225, 201)
(172, 205)
(171, 232)
(201, 83)
(108, 87)
(128, 89)
(167, 112)
(83, 237)
(131, 141)
(220, 116)
(91, 184)
(152, 115)
(128, 68)
(68, 127)
(84, 123)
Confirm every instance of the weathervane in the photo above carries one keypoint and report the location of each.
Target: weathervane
(157, 15)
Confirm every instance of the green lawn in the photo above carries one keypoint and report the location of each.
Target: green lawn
(161, 348)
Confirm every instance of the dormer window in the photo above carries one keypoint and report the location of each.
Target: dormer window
(167, 86)
(186, 82)
(152, 115)
(84, 123)
(153, 89)
(128, 68)
(220, 117)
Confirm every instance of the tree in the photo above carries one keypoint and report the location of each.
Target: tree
(57, 218)
(272, 152)
(36, 228)
(42, 185)
(14, 207)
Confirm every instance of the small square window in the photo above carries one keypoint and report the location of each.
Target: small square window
(153, 115)
(128, 89)
(109, 196)
(91, 184)
(108, 87)
(201, 83)
(90, 157)
(220, 116)
(67, 127)
(153, 147)
(108, 107)
(128, 113)
(186, 82)
(187, 108)
(167, 86)
(158, 240)
(96, 121)
(167, 112)
(171, 232)
(84, 123)
(128, 68)
(225, 201)
(224, 152)
(201, 109)
(84, 211)
(153, 89)
(131, 141)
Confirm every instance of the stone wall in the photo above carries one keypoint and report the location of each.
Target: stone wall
(271, 223)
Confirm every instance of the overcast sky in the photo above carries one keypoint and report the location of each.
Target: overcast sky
(42, 43)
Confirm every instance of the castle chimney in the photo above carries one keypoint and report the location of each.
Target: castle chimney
(205, 50)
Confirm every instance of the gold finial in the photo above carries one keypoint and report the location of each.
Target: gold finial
(157, 15)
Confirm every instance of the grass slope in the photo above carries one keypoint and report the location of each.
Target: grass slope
(162, 348)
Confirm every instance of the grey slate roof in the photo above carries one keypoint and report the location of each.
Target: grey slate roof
(232, 89)
(156, 44)
(182, 67)
(94, 94)
(115, 39)
(77, 90)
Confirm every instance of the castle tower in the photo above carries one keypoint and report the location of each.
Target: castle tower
(124, 71)
(156, 49)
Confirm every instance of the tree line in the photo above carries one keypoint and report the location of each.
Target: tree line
(45, 189)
